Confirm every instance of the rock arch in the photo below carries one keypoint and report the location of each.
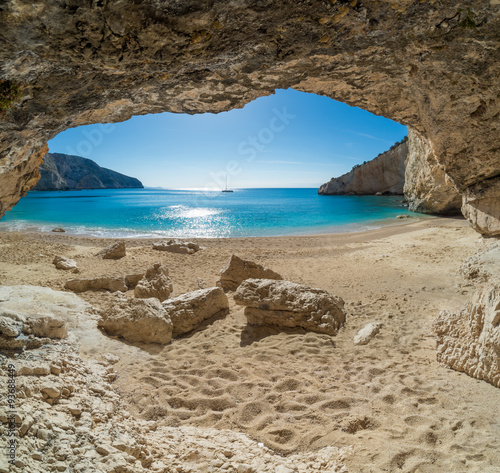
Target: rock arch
(433, 66)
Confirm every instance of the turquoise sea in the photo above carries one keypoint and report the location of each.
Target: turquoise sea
(190, 213)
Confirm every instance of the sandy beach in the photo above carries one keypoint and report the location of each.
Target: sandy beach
(392, 406)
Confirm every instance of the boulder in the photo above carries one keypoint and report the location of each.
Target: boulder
(287, 304)
(115, 251)
(131, 280)
(364, 335)
(468, 340)
(237, 270)
(189, 310)
(105, 283)
(59, 230)
(155, 283)
(64, 263)
(31, 313)
(177, 246)
(138, 320)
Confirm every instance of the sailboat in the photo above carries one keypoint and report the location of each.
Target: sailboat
(226, 189)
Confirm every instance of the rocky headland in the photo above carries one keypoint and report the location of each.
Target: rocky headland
(66, 172)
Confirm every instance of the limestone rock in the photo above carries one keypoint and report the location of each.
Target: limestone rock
(287, 304)
(481, 207)
(155, 283)
(237, 270)
(28, 313)
(105, 283)
(469, 340)
(131, 280)
(364, 335)
(177, 246)
(115, 251)
(484, 265)
(59, 230)
(138, 320)
(189, 310)
(383, 175)
(64, 263)
(427, 188)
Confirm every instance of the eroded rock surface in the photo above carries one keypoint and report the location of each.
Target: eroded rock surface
(104, 283)
(287, 304)
(432, 66)
(189, 310)
(237, 270)
(137, 320)
(177, 246)
(114, 251)
(63, 263)
(155, 283)
(384, 174)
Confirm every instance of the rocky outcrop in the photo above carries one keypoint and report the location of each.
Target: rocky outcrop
(468, 340)
(114, 251)
(287, 304)
(237, 270)
(137, 320)
(481, 206)
(431, 66)
(177, 246)
(155, 283)
(385, 175)
(189, 310)
(29, 315)
(65, 172)
(427, 187)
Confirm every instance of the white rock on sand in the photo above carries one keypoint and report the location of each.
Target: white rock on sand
(115, 251)
(237, 270)
(287, 304)
(138, 320)
(64, 263)
(155, 283)
(104, 283)
(177, 246)
(364, 335)
(189, 310)
(31, 313)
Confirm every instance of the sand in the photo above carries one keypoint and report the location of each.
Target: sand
(296, 391)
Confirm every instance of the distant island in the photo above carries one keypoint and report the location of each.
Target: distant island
(63, 172)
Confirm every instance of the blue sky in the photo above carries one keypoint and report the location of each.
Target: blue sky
(289, 139)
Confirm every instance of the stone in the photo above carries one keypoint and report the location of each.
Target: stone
(115, 251)
(131, 280)
(287, 304)
(237, 270)
(189, 310)
(383, 175)
(138, 320)
(105, 283)
(59, 230)
(51, 389)
(9, 327)
(427, 187)
(25, 426)
(155, 283)
(364, 335)
(402, 216)
(468, 340)
(177, 246)
(481, 207)
(64, 263)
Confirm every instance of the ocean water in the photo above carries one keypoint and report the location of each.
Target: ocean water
(190, 213)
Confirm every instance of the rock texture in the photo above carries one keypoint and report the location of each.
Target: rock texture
(155, 283)
(237, 270)
(427, 187)
(177, 246)
(287, 304)
(138, 320)
(104, 283)
(30, 314)
(114, 251)
(65, 172)
(432, 66)
(64, 263)
(364, 335)
(385, 175)
(189, 310)
(468, 340)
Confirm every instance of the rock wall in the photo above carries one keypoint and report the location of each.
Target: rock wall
(384, 174)
(433, 66)
(64, 172)
(427, 187)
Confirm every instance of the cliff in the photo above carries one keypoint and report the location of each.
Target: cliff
(384, 174)
(65, 172)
